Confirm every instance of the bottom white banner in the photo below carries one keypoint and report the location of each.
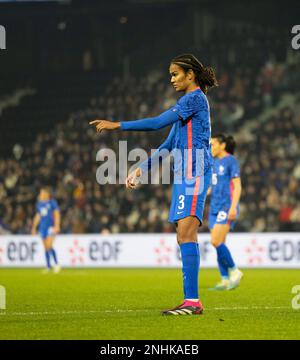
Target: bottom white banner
(266, 250)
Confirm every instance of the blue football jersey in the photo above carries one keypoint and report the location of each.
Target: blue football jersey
(46, 209)
(191, 135)
(224, 170)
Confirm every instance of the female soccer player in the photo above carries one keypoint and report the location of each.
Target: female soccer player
(224, 206)
(189, 136)
(47, 218)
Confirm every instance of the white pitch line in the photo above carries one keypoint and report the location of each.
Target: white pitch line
(72, 312)
(251, 308)
(64, 312)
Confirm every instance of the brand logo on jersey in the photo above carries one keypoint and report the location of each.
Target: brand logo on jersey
(221, 170)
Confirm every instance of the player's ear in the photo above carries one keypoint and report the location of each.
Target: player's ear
(190, 74)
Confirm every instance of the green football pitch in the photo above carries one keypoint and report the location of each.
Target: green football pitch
(126, 303)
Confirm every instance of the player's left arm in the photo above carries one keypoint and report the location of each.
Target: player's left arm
(57, 218)
(35, 223)
(237, 190)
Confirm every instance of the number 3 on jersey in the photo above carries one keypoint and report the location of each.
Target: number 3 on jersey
(181, 202)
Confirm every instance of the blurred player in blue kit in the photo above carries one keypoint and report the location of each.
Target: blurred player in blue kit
(190, 135)
(47, 221)
(224, 207)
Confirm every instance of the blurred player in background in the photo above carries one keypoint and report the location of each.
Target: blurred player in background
(47, 220)
(224, 207)
(191, 131)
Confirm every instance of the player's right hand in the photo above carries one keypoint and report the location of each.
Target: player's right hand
(132, 179)
(104, 125)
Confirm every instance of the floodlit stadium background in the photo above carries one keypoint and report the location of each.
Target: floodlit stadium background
(68, 62)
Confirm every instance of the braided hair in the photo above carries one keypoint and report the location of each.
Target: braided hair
(205, 76)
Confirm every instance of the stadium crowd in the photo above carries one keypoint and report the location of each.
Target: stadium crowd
(65, 157)
(271, 174)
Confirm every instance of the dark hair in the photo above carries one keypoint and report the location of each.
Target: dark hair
(229, 141)
(205, 76)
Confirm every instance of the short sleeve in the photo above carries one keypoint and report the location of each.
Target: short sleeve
(188, 105)
(234, 168)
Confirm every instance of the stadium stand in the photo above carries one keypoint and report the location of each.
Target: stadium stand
(64, 155)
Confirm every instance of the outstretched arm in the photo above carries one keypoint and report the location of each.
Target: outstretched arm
(155, 123)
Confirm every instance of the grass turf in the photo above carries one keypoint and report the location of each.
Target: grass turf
(126, 303)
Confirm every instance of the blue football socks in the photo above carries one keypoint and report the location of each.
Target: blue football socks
(190, 255)
(225, 260)
(53, 253)
(223, 269)
(47, 254)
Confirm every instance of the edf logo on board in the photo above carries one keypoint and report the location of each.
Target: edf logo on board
(2, 38)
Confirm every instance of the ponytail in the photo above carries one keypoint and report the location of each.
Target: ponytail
(230, 144)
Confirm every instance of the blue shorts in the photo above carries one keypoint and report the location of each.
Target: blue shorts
(46, 232)
(189, 197)
(221, 218)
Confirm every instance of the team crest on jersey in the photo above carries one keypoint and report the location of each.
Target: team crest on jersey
(221, 170)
